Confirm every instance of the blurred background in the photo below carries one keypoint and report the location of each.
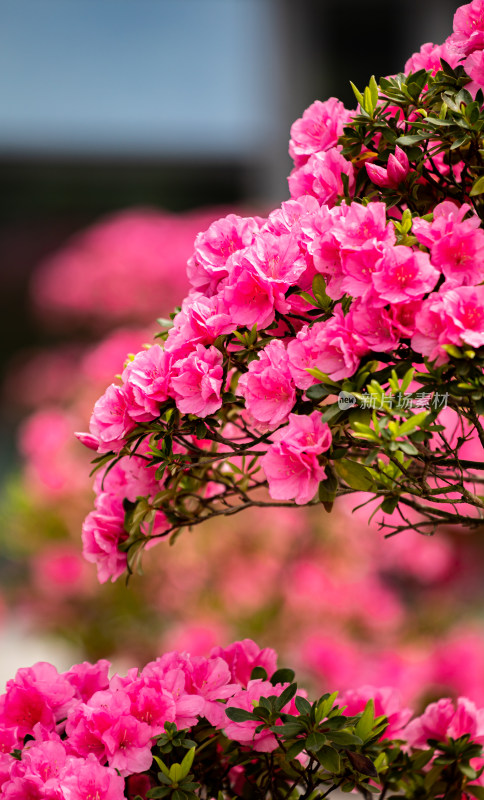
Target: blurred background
(125, 128)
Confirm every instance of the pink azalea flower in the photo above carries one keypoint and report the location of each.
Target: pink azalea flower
(146, 383)
(278, 258)
(102, 531)
(474, 66)
(128, 745)
(87, 679)
(110, 422)
(213, 247)
(319, 129)
(403, 274)
(441, 720)
(243, 656)
(387, 702)
(291, 463)
(464, 306)
(267, 388)
(468, 32)
(333, 347)
(197, 382)
(85, 779)
(376, 326)
(428, 58)
(251, 296)
(321, 177)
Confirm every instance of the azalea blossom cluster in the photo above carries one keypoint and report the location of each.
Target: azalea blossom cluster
(80, 734)
(366, 281)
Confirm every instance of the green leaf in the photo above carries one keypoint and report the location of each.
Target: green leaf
(357, 94)
(407, 141)
(303, 705)
(315, 741)
(411, 423)
(329, 758)
(317, 392)
(476, 791)
(344, 737)
(364, 726)
(355, 475)
(240, 715)
(258, 672)
(286, 696)
(283, 676)
(477, 187)
(295, 749)
(187, 762)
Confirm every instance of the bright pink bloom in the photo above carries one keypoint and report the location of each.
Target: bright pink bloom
(110, 421)
(197, 382)
(243, 656)
(319, 129)
(213, 247)
(251, 296)
(376, 326)
(210, 679)
(464, 307)
(428, 58)
(146, 383)
(87, 679)
(86, 779)
(387, 702)
(321, 177)
(102, 531)
(128, 745)
(396, 170)
(333, 347)
(474, 66)
(291, 463)
(267, 387)
(468, 28)
(403, 274)
(277, 258)
(441, 720)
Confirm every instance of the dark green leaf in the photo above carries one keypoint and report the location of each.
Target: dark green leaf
(283, 676)
(302, 705)
(258, 672)
(315, 741)
(355, 475)
(240, 715)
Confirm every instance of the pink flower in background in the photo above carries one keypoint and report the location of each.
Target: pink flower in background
(291, 463)
(268, 390)
(319, 129)
(197, 382)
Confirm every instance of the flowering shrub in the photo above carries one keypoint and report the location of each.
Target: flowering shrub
(334, 347)
(185, 727)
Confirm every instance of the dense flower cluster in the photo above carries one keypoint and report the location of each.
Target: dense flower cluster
(80, 735)
(365, 285)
